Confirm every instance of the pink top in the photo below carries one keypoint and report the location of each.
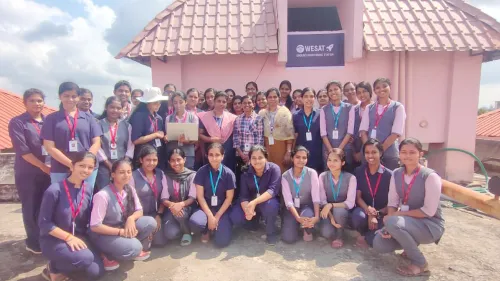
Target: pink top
(165, 195)
(351, 191)
(101, 156)
(213, 129)
(432, 193)
(163, 180)
(100, 205)
(350, 123)
(398, 126)
(287, 193)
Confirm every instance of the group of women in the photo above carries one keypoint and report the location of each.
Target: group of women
(116, 185)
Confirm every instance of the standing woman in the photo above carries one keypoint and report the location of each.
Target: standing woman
(215, 184)
(67, 131)
(31, 166)
(193, 97)
(85, 100)
(385, 121)
(302, 201)
(279, 133)
(298, 104)
(147, 125)
(216, 126)
(63, 221)
(260, 101)
(364, 95)
(181, 115)
(323, 98)
(286, 97)
(251, 89)
(307, 130)
(179, 198)
(337, 124)
(350, 93)
(136, 94)
(118, 228)
(123, 90)
(115, 140)
(209, 100)
(338, 195)
(414, 214)
(230, 95)
(260, 188)
(371, 196)
(236, 107)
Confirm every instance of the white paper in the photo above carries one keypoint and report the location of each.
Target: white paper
(190, 131)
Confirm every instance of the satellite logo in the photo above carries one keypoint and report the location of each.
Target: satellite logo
(300, 49)
(330, 47)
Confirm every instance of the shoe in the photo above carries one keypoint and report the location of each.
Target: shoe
(36, 251)
(143, 256)
(109, 265)
(272, 239)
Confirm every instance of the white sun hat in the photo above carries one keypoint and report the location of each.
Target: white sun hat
(152, 94)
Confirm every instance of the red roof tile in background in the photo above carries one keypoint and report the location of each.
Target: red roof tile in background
(488, 124)
(11, 106)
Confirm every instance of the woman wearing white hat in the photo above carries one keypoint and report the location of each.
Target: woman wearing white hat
(147, 125)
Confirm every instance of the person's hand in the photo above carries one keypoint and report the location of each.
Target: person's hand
(250, 210)
(215, 139)
(108, 164)
(182, 139)
(160, 134)
(371, 211)
(165, 138)
(311, 222)
(301, 220)
(334, 223)
(45, 169)
(351, 140)
(326, 210)
(76, 244)
(212, 223)
(287, 160)
(177, 208)
(158, 224)
(372, 222)
(130, 229)
(383, 233)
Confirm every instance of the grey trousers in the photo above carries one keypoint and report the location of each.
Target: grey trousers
(172, 227)
(328, 231)
(121, 248)
(290, 228)
(407, 233)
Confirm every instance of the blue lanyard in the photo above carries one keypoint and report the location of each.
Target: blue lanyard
(295, 185)
(332, 185)
(256, 184)
(214, 187)
(218, 120)
(310, 121)
(336, 116)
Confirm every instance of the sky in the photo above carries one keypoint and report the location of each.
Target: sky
(46, 42)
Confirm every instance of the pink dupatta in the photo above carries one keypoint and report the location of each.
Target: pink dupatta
(212, 128)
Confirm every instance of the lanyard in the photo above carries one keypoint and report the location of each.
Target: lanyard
(406, 194)
(310, 121)
(336, 116)
(36, 127)
(272, 119)
(177, 189)
(378, 117)
(74, 213)
(218, 120)
(118, 198)
(372, 191)
(154, 124)
(152, 184)
(214, 187)
(295, 185)
(72, 128)
(183, 120)
(332, 185)
(256, 184)
(112, 132)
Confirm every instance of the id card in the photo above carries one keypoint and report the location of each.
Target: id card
(405, 208)
(335, 134)
(73, 146)
(157, 142)
(309, 136)
(114, 154)
(214, 201)
(271, 140)
(44, 151)
(373, 134)
(74, 226)
(180, 143)
(246, 147)
(296, 202)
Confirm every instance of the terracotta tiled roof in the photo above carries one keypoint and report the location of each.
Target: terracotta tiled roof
(428, 25)
(12, 105)
(488, 124)
(208, 27)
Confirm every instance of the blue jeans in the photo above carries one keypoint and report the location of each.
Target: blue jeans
(58, 177)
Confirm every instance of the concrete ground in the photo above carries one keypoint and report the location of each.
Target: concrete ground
(469, 250)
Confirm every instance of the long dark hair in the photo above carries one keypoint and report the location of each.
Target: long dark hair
(289, 101)
(142, 107)
(67, 86)
(30, 92)
(204, 106)
(128, 189)
(146, 150)
(109, 101)
(240, 98)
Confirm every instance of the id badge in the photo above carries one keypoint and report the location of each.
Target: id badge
(180, 143)
(73, 146)
(114, 154)
(309, 136)
(73, 225)
(246, 147)
(157, 142)
(405, 208)
(44, 151)
(373, 134)
(214, 201)
(335, 134)
(271, 140)
(296, 202)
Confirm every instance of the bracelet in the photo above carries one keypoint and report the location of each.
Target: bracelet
(67, 237)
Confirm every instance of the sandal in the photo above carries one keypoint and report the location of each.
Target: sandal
(414, 270)
(337, 243)
(186, 240)
(46, 273)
